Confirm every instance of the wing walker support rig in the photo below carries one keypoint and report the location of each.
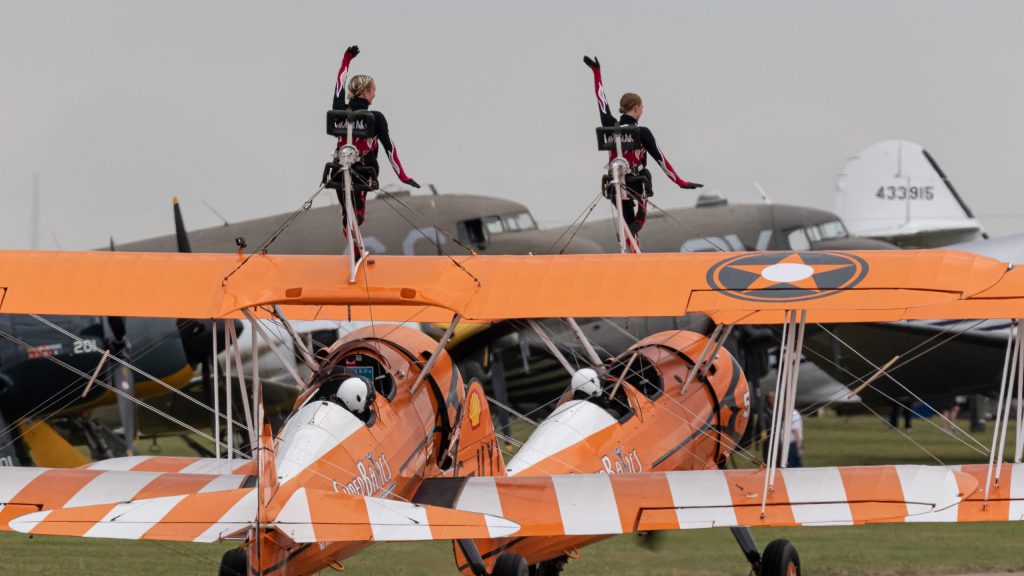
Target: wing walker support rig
(337, 175)
(614, 184)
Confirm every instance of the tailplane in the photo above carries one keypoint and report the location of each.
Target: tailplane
(895, 191)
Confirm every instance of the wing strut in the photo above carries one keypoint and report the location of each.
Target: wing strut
(707, 356)
(785, 398)
(233, 351)
(300, 346)
(584, 341)
(216, 391)
(437, 352)
(551, 346)
(1012, 369)
(257, 329)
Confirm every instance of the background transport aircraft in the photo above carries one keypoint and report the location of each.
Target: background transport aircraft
(895, 191)
(339, 476)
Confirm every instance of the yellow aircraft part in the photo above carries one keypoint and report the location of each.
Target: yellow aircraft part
(49, 449)
(462, 332)
(143, 389)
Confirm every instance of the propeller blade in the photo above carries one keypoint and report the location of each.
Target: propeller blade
(179, 229)
(125, 382)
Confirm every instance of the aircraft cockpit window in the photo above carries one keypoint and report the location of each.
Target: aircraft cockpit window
(798, 239)
(511, 224)
(371, 370)
(472, 232)
(493, 225)
(833, 229)
(816, 233)
(519, 221)
(353, 393)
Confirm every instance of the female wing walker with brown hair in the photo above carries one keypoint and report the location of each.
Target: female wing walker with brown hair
(384, 445)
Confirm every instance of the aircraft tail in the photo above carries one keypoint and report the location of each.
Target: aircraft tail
(48, 448)
(895, 191)
(478, 452)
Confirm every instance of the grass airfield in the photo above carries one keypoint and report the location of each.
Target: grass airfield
(879, 549)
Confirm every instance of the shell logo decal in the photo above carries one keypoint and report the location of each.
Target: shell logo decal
(786, 276)
(474, 408)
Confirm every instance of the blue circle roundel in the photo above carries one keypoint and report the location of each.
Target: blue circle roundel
(786, 276)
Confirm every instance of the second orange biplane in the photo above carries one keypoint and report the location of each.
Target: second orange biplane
(383, 445)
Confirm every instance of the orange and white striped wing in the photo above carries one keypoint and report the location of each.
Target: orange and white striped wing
(319, 516)
(27, 490)
(1005, 501)
(207, 517)
(306, 517)
(616, 504)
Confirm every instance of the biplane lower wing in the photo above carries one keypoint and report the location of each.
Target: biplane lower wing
(583, 505)
(25, 490)
(306, 516)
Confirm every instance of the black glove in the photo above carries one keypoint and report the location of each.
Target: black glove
(352, 51)
(692, 186)
(411, 182)
(592, 62)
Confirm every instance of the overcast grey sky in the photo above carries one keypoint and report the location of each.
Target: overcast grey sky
(121, 105)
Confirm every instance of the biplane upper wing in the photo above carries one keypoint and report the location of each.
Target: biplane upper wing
(734, 287)
(622, 503)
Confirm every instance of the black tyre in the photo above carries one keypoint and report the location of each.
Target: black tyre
(510, 564)
(234, 563)
(780, 559)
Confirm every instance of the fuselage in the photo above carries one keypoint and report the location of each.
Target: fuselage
(659, 419)
(387, 453)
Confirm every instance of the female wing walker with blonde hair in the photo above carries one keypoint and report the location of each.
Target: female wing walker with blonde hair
(638, 450)
(362, 90)
(631, 107)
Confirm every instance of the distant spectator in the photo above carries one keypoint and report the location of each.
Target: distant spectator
(795, 458)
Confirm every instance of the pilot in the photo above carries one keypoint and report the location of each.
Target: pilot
(632, 107)
(586, 384)
(361, 92)
(357, 396)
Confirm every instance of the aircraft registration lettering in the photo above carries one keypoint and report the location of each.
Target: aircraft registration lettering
(85, 347)
(906, 192)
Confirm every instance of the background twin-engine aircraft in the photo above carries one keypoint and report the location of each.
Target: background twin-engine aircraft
(420, 463)
(510, 360)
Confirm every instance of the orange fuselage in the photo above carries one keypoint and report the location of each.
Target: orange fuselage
(668, 425)
(324, 446)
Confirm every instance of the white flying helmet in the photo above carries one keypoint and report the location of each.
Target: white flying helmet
(586, 380)
(354, 394)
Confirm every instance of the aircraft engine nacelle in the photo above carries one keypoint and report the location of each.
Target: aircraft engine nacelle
(720, 388)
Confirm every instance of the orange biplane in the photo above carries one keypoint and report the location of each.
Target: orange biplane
(383, 444)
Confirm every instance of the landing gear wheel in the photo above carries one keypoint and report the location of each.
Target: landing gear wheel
(780, 559)
(234, 563)
(510, 564)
